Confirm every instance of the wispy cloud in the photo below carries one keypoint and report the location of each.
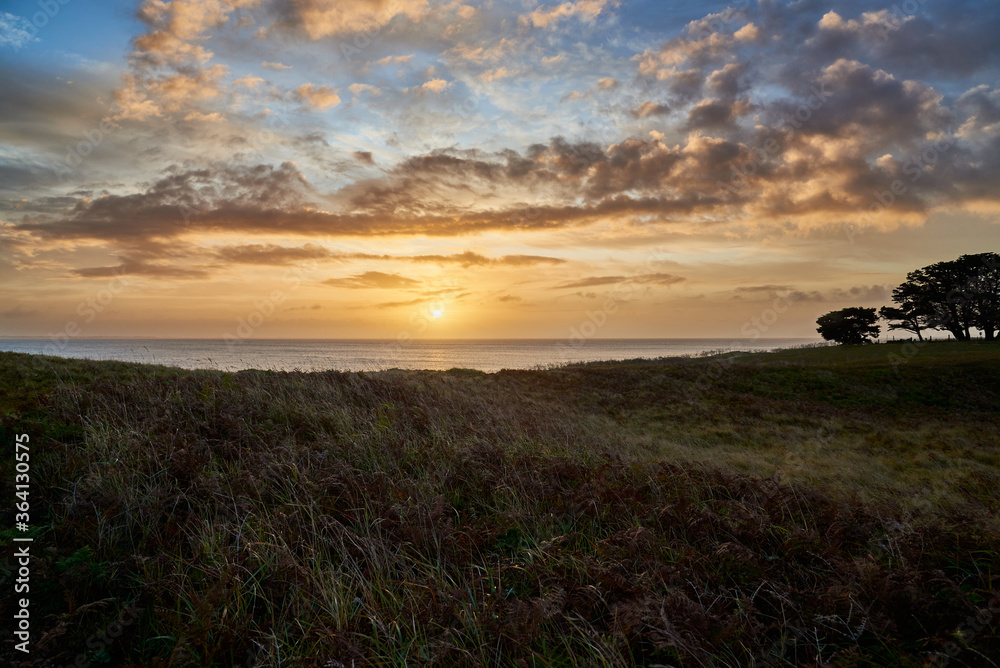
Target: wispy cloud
(544, 17)
(643, 279)
(317, 97)
(373, 279)
(16, 31)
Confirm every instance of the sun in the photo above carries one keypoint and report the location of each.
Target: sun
(437, 313)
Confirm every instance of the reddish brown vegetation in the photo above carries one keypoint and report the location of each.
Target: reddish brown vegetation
(382, 519)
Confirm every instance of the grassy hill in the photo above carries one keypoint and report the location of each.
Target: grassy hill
(825, 506)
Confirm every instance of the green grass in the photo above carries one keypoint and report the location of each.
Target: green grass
(825, 506)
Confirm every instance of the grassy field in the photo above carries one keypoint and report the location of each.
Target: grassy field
(825, 506)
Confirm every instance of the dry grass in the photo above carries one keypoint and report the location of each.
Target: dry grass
(805, 508)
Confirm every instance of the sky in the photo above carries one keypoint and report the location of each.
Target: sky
(401, 169)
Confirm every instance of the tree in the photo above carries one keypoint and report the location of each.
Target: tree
(956, 296)
(938, 290)
(984, 292)
(849, 326)
(908, 319)
(914, 313)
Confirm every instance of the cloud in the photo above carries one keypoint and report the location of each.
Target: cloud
(470, 259)
(272, 254)
(248, 81)
(358, 88)
(436, 85)
(865, 127)
(321, 18)
(497, 74)
(509, 298)
(863, 293)
(407, 200)
(453, 294)
(141, 269)
(173, 205)
(666, 64)
(729, 81)
(715, 113)
(889, 109)
(373, 279)
(275, 66)
(146, 96)
(800, 296)
(317, 97)
(214, 117)
(133, 103)
(651, 109)
(930, 41)
(16, 31)
(785, 292)
(748, 33)
(586, 10)
(779, 121)
(394, 60)
(17, 311)
(169, 69)
(177, 27)
(479, 54)
(263, 200)
(643, 279)
(399, 304)
(180, 90)
(768, 289)
(833, 164)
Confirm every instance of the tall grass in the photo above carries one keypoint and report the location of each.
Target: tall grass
(614, 515)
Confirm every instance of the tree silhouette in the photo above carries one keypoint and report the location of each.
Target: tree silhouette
(984, 292)
(849, 326)
(956, 296)
(909, 319)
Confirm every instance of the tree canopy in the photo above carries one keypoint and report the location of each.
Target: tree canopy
(849, 326)
(955, 296)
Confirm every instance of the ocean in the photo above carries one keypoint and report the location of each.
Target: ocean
(374, 355)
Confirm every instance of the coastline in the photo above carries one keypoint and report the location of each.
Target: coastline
(371, 355)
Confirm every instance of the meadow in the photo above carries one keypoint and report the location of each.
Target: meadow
(826, 506)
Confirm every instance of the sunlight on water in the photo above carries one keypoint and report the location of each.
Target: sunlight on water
(289, 355)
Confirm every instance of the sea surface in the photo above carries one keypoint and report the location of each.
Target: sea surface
(373, 355)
